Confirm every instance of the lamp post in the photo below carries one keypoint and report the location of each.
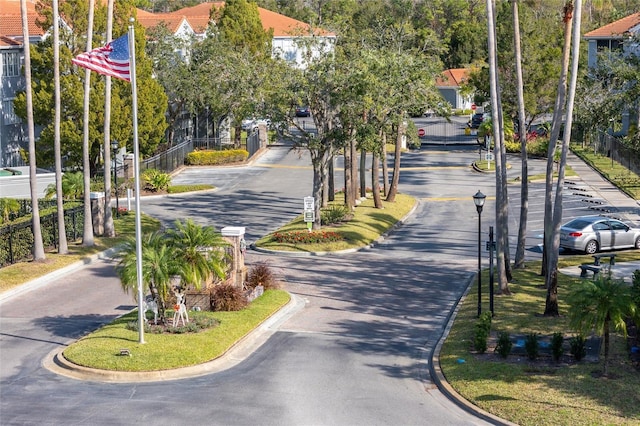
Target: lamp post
(114, 148)
(478, 200)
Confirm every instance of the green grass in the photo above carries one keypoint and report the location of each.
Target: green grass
(178, 189)
(527, 393)
(20, 273)
(101, 349)
(613, 171)
(367, 224)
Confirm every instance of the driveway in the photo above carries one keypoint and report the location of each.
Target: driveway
(357, 354)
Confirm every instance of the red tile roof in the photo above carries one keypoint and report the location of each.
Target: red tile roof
(453, 77)
(9, 42)
(198, 18)
(11, 19)
(618, 28)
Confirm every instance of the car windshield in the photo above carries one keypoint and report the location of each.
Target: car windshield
(578, 224)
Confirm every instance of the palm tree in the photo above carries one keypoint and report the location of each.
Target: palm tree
(62, 234)
(87, 235)
(8, 206)
(38, 245)
(159, 264)
(72, 187)
(199, 252)
(601, 304)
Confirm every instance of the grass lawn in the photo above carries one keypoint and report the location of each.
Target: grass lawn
(539, 392)
(367, 224)
(613, 171)
(166, 351)
(20, 273)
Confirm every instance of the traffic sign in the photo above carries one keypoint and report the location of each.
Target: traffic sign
(473, 107)
(309, 216)
(488, 156)
(421, 132)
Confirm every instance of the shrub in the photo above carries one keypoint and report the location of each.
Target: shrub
(504, 344)
(227, 297)
(305, 237)
(556, 346)
(483, 327)
(531, 345)
(210, 158)
(335, 213)
(155, 180)
(578, 347)
(261, 274)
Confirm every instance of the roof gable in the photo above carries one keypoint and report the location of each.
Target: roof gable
(617, 29)
(454, 77)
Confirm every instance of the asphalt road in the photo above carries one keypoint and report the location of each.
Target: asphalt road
(356, 354)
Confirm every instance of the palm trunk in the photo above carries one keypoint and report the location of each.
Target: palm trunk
(109, 229)
(63, 247)
(524, 170)
(87, 236)
(38, 246)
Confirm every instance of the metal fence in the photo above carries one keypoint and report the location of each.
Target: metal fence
(174, 157)
(16, 240)
(612, 147)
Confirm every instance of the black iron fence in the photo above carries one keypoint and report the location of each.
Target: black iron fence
(612, 147)
(16, 240)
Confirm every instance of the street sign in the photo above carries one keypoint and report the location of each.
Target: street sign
(421, 133)
(309, 204)
(309, 216)
(488, 156)
(473, 107)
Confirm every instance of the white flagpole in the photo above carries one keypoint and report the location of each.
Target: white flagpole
(136, 172)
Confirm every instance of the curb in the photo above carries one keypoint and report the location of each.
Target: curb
(374, 243)
(441, 381)
(45, 279)
(238, 352)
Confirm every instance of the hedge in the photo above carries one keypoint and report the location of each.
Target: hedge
(212, 158)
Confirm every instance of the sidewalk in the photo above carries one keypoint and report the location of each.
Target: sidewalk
(617, 203)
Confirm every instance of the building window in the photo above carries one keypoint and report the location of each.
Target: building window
(8, 114)
(11, 64)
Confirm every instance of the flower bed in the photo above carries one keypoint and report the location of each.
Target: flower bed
(305, 237)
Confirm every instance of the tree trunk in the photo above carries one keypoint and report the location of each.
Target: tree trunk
(385, 168)
(354, 168)
(38, 246)
(87, 236)
(375, 180)
(109, 229)
(522, 131)
(502, 246)
(363, 173)
(553, 215)
(393, 189)
(348, 175)
(63, 247)
(331, 179)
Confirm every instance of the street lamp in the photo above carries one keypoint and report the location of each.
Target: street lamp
(478, 200)
(114, 148)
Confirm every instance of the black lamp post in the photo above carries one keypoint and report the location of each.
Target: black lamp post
(114, 148)
(478, 200)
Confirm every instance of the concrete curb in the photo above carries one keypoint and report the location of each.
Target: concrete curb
(238, 352)
(441, 381)
(46, 279)
(374, 243)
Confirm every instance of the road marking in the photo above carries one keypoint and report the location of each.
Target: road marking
(444, 199)
(284, 166)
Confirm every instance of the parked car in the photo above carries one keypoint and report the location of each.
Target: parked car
(590, 234)
(303, 111)
(251, 124)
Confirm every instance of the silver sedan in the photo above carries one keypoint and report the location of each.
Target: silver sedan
(591, 234)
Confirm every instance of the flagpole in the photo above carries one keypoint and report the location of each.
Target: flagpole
(136, 172)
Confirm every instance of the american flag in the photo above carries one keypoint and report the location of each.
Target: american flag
(112, 59)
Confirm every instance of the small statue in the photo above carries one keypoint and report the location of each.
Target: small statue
(180, 309)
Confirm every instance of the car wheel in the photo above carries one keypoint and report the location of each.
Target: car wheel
(591, 247)
(637, 245)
